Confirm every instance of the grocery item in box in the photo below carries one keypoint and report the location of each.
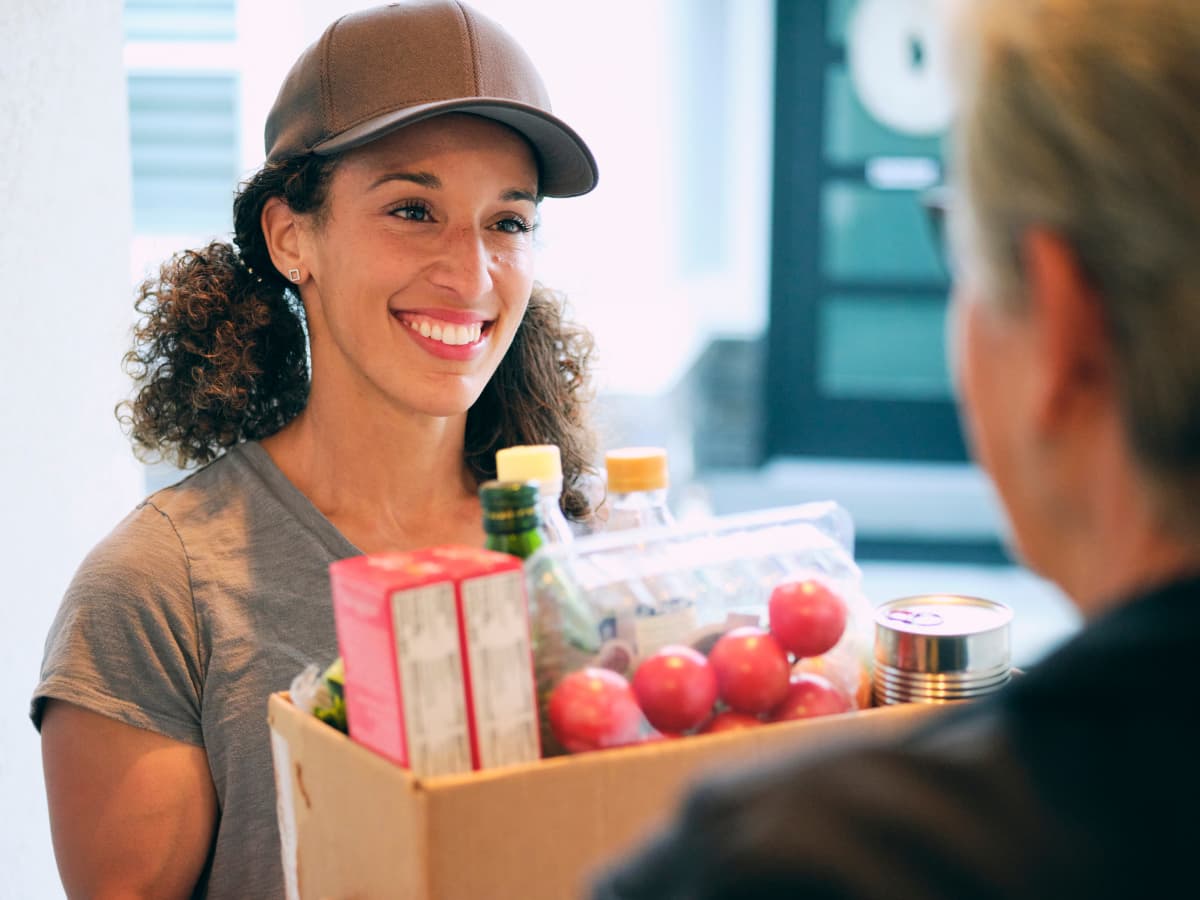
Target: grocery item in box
(774, 593)
(438, 666)
(637, 488)
(541, 464)
(940, 648)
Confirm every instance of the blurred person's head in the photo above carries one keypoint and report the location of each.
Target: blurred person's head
(1077, 234)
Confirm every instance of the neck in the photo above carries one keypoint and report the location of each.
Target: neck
(1133, 562)
(389, 480)
(1116, 545)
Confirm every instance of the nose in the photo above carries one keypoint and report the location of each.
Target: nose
(463, 265)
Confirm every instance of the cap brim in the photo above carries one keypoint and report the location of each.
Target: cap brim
(568, 168)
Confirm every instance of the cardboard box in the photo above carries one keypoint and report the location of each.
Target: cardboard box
(357, 826)
(437, 656)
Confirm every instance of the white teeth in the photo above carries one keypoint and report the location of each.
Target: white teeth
(450, 334)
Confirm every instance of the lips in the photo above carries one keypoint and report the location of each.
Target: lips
(447, 334)
(452, 328)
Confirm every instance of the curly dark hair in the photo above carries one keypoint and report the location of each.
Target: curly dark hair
(220, 353)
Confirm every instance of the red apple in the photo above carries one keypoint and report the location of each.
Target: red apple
(676, 688)
(752, 670)
(730, 720)
(594, 709)
(811, 695)
(807, 615)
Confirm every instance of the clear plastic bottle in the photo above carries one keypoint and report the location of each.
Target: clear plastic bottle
(637, 488)
(658, 574)
(541, 463)
(564, 633)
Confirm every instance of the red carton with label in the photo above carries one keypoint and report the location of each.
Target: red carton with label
(439, 669)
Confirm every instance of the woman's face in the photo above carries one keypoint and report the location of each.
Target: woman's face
(421, 264)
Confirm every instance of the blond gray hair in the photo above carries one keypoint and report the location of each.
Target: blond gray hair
(1083, 116)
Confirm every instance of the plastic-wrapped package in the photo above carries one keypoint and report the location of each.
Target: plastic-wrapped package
(611, 601)
(322, 693)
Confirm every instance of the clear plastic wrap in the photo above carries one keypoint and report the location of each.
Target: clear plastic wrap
(322, 693)
(609, 601)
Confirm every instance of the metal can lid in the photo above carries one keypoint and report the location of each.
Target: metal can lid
(940, 633)
(951, 615)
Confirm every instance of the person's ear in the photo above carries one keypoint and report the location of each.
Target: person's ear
(281, 227)
(1073, 352)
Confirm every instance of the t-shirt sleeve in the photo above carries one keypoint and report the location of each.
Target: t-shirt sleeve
(125, 641)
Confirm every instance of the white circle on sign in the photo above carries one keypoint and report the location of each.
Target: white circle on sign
(897, 55)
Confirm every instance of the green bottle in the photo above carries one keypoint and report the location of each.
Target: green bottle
(511, 517)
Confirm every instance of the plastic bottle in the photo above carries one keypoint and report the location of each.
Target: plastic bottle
(637, 488)
(511, 517)
(659, 575)
(540, 463)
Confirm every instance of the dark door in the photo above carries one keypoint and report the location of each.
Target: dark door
(855, 358)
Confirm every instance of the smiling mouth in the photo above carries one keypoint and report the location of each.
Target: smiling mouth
(449, 333)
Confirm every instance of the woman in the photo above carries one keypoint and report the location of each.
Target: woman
(391, 226)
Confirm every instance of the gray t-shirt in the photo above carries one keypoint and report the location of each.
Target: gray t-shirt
(207, 598)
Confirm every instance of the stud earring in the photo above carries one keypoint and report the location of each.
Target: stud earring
(294, 275)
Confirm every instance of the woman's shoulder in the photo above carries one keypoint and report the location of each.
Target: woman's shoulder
(142, 557)
(155, 537)
(214, 489)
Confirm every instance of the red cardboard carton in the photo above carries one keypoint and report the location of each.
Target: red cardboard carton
(439, 672)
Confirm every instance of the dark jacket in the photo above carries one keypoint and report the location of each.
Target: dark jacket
(1079, 780)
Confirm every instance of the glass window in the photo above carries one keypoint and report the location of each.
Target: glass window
(883, 347)
(179, 20)
(183, 130)
(876, 235)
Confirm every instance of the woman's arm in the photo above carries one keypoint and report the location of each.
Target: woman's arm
(132, 813)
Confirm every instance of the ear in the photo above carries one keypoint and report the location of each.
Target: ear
(281, 227)
(1073, 350)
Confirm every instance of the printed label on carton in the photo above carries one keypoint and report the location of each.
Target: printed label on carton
(498, 651)
(425, 621)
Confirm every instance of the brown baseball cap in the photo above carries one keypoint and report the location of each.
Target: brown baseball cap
(380, 69)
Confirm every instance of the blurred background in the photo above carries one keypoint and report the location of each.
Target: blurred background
(767, 297)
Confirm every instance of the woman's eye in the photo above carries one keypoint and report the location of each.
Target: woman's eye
(514, 225)
(413, 212)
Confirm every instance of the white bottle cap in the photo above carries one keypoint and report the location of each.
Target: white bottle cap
(534, 462)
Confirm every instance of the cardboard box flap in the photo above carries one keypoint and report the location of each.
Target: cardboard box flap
(541, 830)
(336, 801)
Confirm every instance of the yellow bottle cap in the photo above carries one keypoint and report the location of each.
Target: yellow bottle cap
(534, 462)
(636, 469)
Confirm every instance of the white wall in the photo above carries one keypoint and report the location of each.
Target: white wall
(68, 472)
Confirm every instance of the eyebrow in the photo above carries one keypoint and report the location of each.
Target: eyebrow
(424, 179)
(516, 194)
(431, 181)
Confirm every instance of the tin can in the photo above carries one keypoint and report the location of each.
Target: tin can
(939, 648)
